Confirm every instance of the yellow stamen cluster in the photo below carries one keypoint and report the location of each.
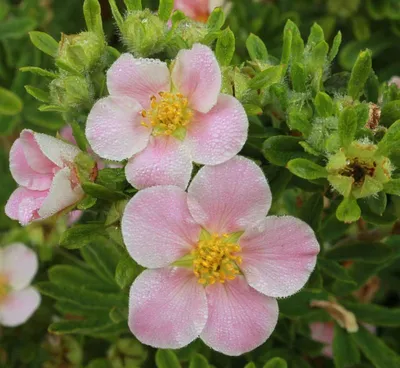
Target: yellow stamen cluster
(167, 113)
(215, 261)
(4, 288)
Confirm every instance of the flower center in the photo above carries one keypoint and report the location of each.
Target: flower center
(4, 287)
(168, 115)
(358, 170)
(215, 259)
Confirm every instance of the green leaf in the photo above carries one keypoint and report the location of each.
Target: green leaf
(279, 150)
(377, 203)
(311, 211)
(390, 141)
(198, 361)
(256, 48)
(250, 365)
(375, 349)
(306, 169)
(15, 28)
(38, 71)
(38, 93)
(90, 326)
(390, 113)
(299, 77)
(360, 251)
(10, 103)
(276, 363)
(323, 104)
(269, 76)
(101, 192)
(299, 120)
(116, 14)
(216, 19)
(92, 14)
(44, 42)
(374, 314)
(318, 55)
(288, 32)
(167, 359)
(297, 49)
(348, 210)
(335, 47)
(345, 351)
(225, 47)
(359, 74)
(126, 272)
(347, 126)
(392, 187)
(133, 5)
(79, 236)
(335, 270)
(316, 35)
(165, 9)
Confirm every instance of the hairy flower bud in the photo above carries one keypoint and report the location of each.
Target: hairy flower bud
(71, 91)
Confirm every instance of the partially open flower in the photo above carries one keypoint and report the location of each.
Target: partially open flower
(44, 168)
(216, 262)
(200, 10)
(359, 170)
(18, 300)
(162, 121)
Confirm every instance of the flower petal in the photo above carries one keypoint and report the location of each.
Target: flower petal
(197, 76)
(19, 264)
(18, 307)
(56, 150)
(218, 135)
(157, 226)
(239, 318)
(23, 205)
(323, 332)
(165, 161)
(138, 78)
(23, 174)
(192, 9)
(229, 197)
(278, 255)
(62, 194)
(167, 308)
(34, 155)
(114, 128)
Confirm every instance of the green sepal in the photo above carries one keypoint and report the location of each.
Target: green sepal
(348, 211)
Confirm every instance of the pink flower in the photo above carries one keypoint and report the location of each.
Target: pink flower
(216, 263)
(162, 120)
(18, 300)
(394, 80)
(43, 166)
(198, 9)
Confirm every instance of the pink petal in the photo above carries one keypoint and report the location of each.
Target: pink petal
(229, 197)
(23, 174)
(197, 76)
(218, 135)
(114, 128)
(193, 9)
(18, 307)
(23, 205)
(63, 193)
(157, 226)
(278, 255)
(167, 308)
(34, 155)
(165, 161)
(67, 134)
(323, 332)
(138, 78)
(19, 264)
(239, 318)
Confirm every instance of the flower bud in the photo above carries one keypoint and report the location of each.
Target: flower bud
(81, 51)
(71, 92)
(143, 33)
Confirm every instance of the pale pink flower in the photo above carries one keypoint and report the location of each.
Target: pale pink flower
(323, 332)
(43, 166)
(216, 263)
(199, 9)
(18, 300)
(162, 120)
(394, 80)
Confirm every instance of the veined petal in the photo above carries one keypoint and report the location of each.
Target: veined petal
(197, 76)
(165, 161)
(239, 317)
(138, 78)
(114, 128)
(218, 135)
(167, 308)
(19, 264)
(229, 197)
(157, 226)
(278, 254)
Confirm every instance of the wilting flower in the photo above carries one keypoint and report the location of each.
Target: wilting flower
(216, 263)
(44, 168)
(162, 120)
(18, 300)
(199, 9)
